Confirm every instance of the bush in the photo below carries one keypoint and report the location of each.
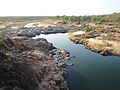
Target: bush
(102, 31)
(78, 22)
(113, 30)
(88, 29)
(2, 43)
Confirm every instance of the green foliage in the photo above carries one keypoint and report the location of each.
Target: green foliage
(110, 19)
(110, 23)
(57, 16)
(102, 31)
(95, 18)
(2, 44)
(78, 22)
(113, 30)
(88, 29)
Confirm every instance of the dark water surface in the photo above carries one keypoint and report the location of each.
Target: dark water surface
(91, 70)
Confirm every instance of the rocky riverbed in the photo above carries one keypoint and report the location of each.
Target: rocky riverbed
(33, 31)
(32, 64)
(46, 30)
(25, 65)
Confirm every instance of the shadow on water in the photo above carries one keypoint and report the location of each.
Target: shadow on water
(81, 82)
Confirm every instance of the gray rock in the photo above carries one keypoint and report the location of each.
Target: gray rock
(70, 64)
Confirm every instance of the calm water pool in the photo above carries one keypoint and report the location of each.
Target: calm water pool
(91, 70)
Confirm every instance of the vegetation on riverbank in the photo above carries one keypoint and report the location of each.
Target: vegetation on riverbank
(102, 33)
(2, 43)
(103, 43)
(99, 33)
(110, 19)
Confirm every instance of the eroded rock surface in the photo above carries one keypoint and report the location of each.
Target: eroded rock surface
(31, 32)
(25, 66)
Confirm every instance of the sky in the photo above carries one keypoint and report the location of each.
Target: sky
(58, 7)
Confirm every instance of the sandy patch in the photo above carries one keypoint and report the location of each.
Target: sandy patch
(78, 33)
(29, 25)
(14, 27)
(43, 25)
(2, 26)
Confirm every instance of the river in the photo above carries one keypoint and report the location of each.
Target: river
(91, 71)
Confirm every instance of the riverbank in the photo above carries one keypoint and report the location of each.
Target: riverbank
(25, 65)
(32, 26)
(32, 60)
(36, 62)
(103, 43)
(33, 31)
(91, 70)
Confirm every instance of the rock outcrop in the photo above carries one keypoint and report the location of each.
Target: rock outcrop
(32, 32)
(25, 66)
(60, 54)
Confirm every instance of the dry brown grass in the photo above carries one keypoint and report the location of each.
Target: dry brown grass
(99, 45)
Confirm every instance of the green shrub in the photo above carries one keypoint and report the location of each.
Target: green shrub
(2, 44)
(110, 23)
(102, 31)
(113, 30)
(88, 29)
(78, 22)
